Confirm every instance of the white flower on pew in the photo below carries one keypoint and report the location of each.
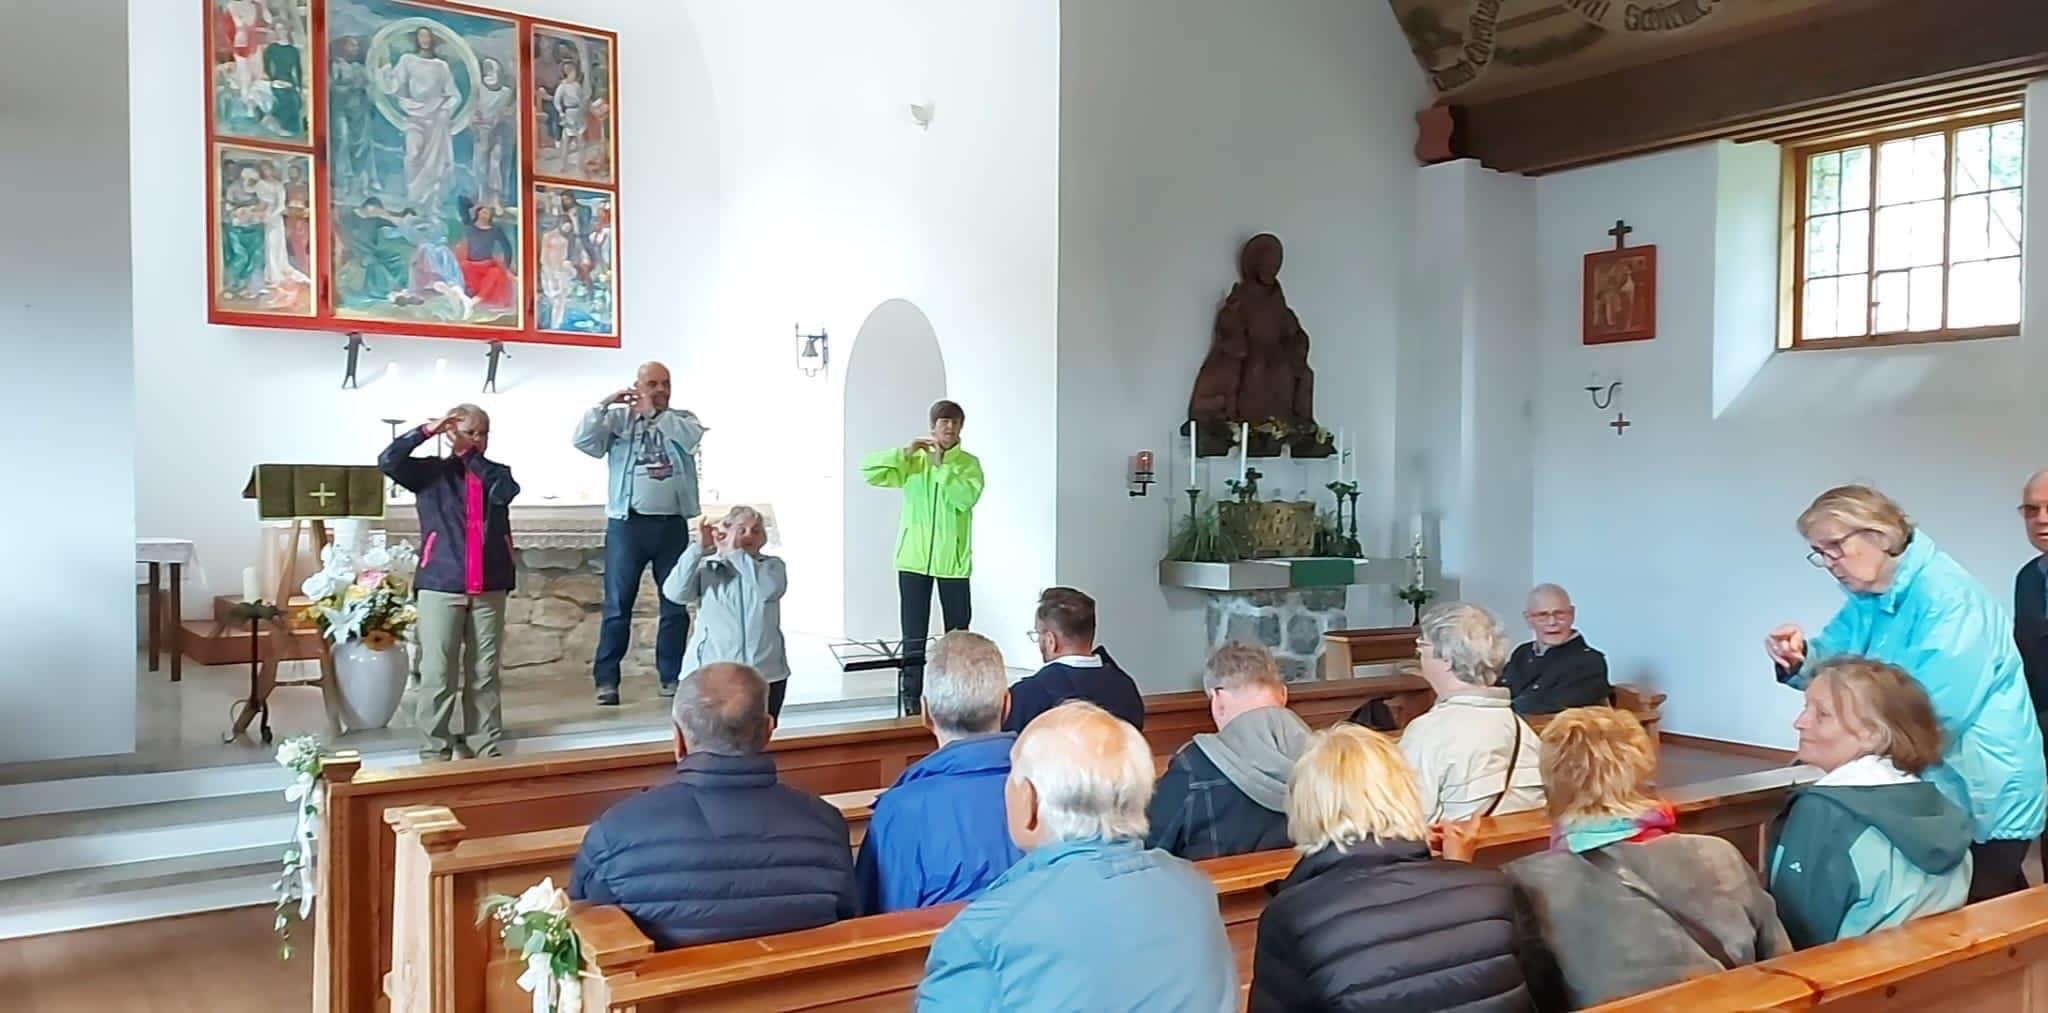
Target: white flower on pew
(303, 756)
(536, 928)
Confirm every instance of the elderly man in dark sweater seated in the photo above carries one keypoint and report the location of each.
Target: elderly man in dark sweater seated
(1556, 671)
(1075, 669)
(725, 851)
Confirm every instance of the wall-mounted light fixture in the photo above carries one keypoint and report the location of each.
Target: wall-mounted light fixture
(813, 351)
(1141, 479)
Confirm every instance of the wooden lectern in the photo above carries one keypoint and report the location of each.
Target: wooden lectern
(307, 495)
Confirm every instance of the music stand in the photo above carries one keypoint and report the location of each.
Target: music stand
(877, 655)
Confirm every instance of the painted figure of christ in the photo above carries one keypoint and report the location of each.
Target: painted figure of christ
(424, 88)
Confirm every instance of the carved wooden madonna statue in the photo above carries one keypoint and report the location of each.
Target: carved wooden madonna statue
(1257, 368)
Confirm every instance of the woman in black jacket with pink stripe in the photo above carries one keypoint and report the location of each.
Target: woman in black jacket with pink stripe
(466, 568)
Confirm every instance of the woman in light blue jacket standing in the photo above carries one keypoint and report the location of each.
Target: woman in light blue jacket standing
(1911, 605)
(738, 593)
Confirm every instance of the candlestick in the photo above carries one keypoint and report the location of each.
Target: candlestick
(252, 589)
(1244, 449)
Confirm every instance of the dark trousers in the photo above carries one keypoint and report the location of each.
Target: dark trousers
(956, 606)
(776, 691)
(1995, 868)
(631, 545)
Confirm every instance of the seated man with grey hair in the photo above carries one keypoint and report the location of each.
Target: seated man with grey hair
(1556, 671)
(1225, 793)
(725, 851)
(938, 834)
(1472, 754)
(1088, 919)
(738, 593)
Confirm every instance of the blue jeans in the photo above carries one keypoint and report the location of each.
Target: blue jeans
(631, 544)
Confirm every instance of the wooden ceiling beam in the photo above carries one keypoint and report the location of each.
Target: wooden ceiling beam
(1820, 73)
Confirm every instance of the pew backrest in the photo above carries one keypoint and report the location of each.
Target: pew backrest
(353, 921)
(875, 963)
(1989, 956)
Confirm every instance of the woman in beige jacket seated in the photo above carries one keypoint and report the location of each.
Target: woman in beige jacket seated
(1471, 754)
(1622, 903)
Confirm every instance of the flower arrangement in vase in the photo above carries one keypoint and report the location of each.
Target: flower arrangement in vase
(367, 598)
(364, 606)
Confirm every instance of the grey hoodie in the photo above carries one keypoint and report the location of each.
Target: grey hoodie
(1256, 750)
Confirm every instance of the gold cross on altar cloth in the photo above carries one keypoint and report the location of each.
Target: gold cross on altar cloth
(323, 494)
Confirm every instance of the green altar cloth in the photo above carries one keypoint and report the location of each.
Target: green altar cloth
(290, 492)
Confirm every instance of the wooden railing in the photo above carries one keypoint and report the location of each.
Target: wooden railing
(444, 960)
(358, 850)
(1990, 957)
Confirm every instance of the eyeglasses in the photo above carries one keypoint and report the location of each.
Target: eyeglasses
(1551, 614)
(1033, 635)
(1831, 551)
(2033, 510)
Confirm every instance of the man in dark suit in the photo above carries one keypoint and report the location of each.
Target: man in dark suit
(2030, 603)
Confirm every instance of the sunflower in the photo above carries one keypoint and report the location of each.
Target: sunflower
(379, 640)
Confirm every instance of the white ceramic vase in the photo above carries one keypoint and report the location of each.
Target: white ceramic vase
(369, 684)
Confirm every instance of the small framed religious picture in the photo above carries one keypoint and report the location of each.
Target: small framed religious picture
(1620, 301)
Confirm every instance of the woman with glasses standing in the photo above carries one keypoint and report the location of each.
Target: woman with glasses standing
(1912, 605)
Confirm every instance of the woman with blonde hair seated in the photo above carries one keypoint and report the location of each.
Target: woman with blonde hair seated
(1367, 919)
(1870, 844)
(1623, 903)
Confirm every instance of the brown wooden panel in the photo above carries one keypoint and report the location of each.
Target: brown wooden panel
(571, 787)
(1870, 61)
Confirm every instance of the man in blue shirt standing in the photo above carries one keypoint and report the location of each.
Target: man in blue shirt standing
(650, 496)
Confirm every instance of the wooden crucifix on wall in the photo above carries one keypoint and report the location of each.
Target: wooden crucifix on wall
(1620, 300)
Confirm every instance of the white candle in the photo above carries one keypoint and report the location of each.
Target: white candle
(1342, 439)
(1244, 450)
(1415, 530)
(1192, 427)
(252, 589)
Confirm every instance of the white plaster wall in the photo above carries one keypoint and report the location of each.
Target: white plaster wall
(211, 401)
(67, 639)
(898, 367)
(1677, 540)
(833, 201)
(1187, 126)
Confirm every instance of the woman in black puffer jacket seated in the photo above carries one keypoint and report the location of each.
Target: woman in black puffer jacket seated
(1368, 920)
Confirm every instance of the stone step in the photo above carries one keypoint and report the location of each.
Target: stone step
(46, 843)
(138, 891)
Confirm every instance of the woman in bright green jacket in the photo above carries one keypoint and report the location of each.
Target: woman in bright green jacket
(935, 539)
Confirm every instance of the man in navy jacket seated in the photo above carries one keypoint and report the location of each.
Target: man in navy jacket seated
(1075, 669)
(939, 833)
(724, 851)
(1558, 670)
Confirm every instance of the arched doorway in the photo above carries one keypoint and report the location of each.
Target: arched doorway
(893, 375)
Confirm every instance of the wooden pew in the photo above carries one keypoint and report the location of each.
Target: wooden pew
(444, 961)
(357, 849)
(1990, 956)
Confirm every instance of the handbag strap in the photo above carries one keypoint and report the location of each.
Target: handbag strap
(1600, 859)
(1507, 781)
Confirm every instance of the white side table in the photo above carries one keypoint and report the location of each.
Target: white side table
(166, 610)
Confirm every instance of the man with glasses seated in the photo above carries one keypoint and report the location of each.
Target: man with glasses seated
(1557, 671)
(2030, 599)
(1075, 668)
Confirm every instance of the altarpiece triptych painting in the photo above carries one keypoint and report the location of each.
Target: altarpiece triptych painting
(413, 167)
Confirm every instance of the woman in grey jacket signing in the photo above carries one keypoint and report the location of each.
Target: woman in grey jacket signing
(738, 592)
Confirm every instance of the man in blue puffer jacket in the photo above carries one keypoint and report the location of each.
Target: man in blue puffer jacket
(725, 851)
(938, 833)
